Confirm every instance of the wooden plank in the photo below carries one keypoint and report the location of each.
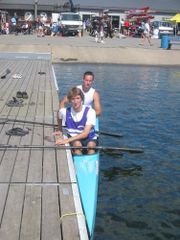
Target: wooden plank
(62, 167)
(49, 169)
(7, 165)
(68, 213)
(20, 170)
(49, 166)
(36, 159)
(51, 228)
(22, 162)
(31, 216)
(3, 194)
(11, 221)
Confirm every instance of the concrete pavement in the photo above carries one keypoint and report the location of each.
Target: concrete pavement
(86, 50)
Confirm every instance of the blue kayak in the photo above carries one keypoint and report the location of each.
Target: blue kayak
(87, 172)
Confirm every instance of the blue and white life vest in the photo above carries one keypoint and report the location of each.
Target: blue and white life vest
(75, 128)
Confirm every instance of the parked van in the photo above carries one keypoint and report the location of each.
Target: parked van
(163, 27)
(70, 23)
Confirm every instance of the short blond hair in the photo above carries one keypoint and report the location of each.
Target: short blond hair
(75, 92)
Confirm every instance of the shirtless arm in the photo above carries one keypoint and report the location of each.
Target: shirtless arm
(97, 103)
(63, 102)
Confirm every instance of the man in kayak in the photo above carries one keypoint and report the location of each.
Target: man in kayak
(80, 121)
(91, 96)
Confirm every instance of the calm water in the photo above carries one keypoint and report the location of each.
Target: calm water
(139, 194)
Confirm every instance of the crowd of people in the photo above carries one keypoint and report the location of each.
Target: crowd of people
(98, 27)
(16, 26)
(101, 28)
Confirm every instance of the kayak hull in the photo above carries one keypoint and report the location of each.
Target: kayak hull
(87, 172)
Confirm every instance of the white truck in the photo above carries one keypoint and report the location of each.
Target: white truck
(70, 23)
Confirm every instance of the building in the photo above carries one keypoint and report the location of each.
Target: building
(162, 9)
(31, 9)
(160, 6)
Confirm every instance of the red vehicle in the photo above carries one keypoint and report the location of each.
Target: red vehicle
(136, 17)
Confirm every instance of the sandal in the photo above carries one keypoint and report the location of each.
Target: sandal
(17, 132)
(19, 94)
(15, 103)
(24, 95)
(4, 76)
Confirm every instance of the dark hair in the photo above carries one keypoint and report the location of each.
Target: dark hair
(75, 92)
(88, 73)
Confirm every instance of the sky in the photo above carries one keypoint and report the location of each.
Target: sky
(164, 5)
(154, 4)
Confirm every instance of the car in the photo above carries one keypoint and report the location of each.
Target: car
(163, 27)
(70, 23)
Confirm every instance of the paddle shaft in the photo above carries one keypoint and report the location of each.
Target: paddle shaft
(60, 147)
(110, 134)
(55, 125)
(30, 122)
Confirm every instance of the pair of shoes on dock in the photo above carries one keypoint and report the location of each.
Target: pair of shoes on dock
(15, 102)
(22, 95)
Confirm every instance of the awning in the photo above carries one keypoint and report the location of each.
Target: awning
(176, 18)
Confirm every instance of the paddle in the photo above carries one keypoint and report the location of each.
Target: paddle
(4, 120)
(110, 134)
(60, 147)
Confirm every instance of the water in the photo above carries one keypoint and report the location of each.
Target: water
(139, 194)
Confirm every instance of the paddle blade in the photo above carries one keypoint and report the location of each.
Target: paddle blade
(110, 134)
(122, 149)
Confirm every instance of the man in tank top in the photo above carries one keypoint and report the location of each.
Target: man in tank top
(80, 123)
(91, 96)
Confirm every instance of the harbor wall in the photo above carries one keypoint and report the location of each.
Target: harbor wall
(86, 50)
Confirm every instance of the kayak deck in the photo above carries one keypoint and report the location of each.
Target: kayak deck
(87, 172)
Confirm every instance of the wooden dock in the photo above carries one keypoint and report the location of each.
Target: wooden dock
(39, 198)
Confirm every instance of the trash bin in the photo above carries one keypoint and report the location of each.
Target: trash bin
(165, 42)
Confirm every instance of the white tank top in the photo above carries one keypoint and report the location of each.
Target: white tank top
(88, 96)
